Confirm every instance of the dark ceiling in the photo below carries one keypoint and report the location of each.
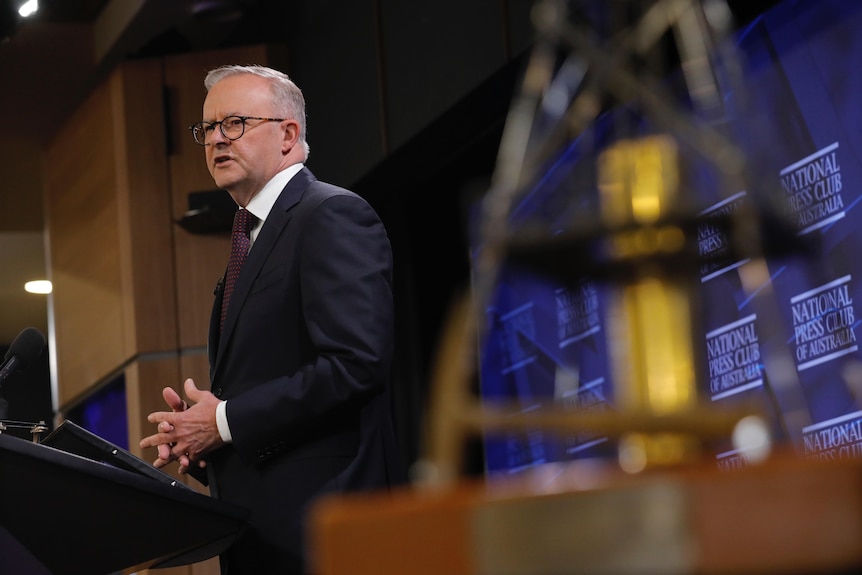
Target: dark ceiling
(56, 11)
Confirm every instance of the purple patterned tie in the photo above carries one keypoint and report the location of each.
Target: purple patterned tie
(243, 222)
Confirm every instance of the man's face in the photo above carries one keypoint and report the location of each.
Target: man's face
(243, 166)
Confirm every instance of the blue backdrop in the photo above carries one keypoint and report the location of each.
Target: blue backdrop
(800, 127)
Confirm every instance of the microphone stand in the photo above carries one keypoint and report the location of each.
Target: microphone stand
(36, 429)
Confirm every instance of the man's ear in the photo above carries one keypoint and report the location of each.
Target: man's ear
(291, 134)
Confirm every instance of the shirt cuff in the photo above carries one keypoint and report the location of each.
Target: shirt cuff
(221, 422)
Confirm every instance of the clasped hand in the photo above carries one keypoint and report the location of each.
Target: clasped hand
(188, 432)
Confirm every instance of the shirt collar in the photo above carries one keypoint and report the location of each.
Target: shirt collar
(262, 202)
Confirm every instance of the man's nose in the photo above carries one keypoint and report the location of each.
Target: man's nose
(216, 136)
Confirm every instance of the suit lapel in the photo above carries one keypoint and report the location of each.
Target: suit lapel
(273, 227)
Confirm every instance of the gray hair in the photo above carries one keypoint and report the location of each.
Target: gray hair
(287, 97)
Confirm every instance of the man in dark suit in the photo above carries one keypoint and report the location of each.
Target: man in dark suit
(299, 403)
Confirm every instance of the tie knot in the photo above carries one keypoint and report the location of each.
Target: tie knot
(243, 222)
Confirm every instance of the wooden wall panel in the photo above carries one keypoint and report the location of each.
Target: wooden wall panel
(200, 259)
(195, 365)
(109, 229)
(145, 379)
(83, 223)
(144, 196)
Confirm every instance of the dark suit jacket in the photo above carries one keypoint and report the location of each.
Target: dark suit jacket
(304, 362)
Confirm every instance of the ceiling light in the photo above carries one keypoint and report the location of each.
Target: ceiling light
(29, 8)
(38, 286)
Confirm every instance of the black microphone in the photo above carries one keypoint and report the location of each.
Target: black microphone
(24, 350)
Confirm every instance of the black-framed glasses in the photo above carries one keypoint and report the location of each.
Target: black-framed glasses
(232, 127)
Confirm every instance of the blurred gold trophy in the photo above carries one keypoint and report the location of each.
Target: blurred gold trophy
(645, 223)
(649, 322)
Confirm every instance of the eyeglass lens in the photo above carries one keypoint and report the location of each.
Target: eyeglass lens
(232, 128)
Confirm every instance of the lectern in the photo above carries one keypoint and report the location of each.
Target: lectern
(65, 514)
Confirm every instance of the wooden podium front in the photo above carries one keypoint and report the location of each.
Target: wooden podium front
(786, 515)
